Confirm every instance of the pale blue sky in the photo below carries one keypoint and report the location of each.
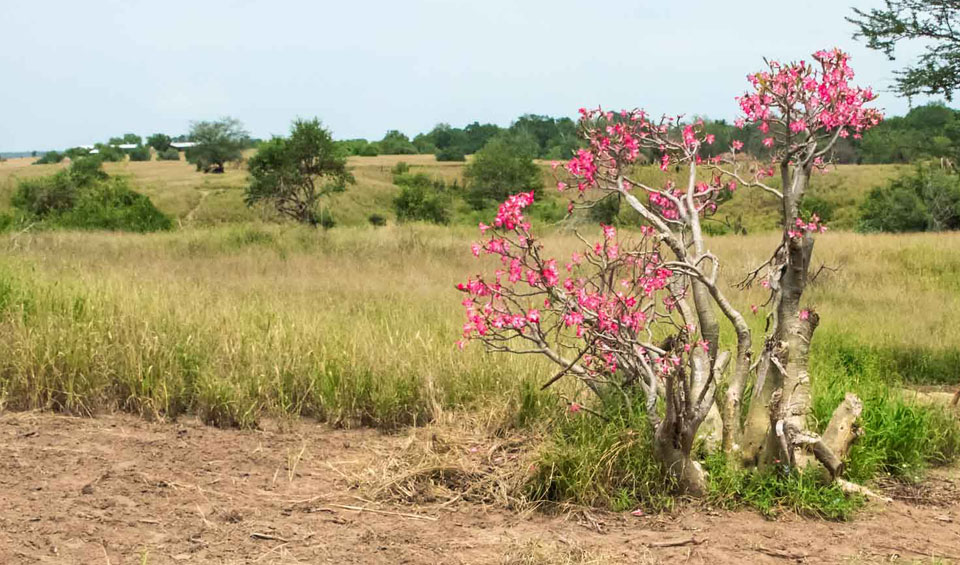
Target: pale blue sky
(78, 72)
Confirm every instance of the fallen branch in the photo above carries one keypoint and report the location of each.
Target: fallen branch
(676, 542)
(780, 553)
(854, 488)
(268, 537)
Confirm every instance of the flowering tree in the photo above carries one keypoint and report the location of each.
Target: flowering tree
(645, 311)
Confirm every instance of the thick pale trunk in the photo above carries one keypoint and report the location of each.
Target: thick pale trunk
(672, 450)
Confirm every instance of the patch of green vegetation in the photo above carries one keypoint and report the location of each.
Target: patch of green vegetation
(901, 438)
(603, 460)
(84, 197)
(773, 491)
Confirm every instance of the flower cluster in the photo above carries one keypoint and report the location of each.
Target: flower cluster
(815, 225)
(603, 302)
(808, 101)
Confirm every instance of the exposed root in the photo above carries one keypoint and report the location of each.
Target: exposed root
(854, 488)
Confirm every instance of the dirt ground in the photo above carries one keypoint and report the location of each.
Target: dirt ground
(116, 490)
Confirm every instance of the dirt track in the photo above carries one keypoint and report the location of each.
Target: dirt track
(115, 488)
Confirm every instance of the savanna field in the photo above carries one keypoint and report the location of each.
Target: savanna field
(270, 331)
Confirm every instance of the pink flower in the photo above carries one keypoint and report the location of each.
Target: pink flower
(768, 142)
(804, 314)
(574, 408)
(736, 145)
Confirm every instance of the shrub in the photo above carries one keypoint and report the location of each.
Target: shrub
(369, 150)
(170, 154)
(377, 220)
(112, 205)
(813, 205)
(84, 197)
(504, 166)
(86, 171)
(400, 168)
(141, 153)
(42, 196)
(6, 222)
(108, 153)
(396, 143)
(924, 200)
(49, 158)
(421, 199)
(450, 154)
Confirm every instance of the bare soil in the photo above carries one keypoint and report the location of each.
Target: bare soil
(116, 489)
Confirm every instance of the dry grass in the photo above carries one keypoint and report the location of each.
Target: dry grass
(540, 552)
(458, 457)
(202, 199)
(355, 325)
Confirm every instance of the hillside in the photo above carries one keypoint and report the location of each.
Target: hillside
(203, 199)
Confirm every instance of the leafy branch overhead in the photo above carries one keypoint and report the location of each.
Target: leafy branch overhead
(935, 23)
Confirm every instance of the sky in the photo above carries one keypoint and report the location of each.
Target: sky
(79, 72)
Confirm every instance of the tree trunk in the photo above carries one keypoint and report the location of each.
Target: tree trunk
(672, 450)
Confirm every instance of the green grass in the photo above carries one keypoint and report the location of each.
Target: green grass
(603, 460)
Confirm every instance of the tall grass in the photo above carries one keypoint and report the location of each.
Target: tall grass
(357, 327)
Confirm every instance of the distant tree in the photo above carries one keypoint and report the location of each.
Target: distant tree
(141, 153)
(552, 135)
(170, 154)
(49, 158)
(159, 141)
(476, 135)
(504, 166)
(354, 146)
(936, 23)
(928, 131)
(927, 199)
(293, 173)
(396, 143)
(218, 143)
(132, 138)
(33, 153)
(450, 154)
(76, 153)
(109, 153)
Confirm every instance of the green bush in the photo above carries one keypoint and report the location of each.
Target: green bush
(112, 205)
(814, 205)
(421, 199)
(450, 154)
(369, 150)
(396, 143)
(170, 154)
(925, 200)
(84, 197)
(43, 196)
(400, 168)
(140, 154)
(108, 153)
(7, 222)
(49, 158)
(503, 167)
